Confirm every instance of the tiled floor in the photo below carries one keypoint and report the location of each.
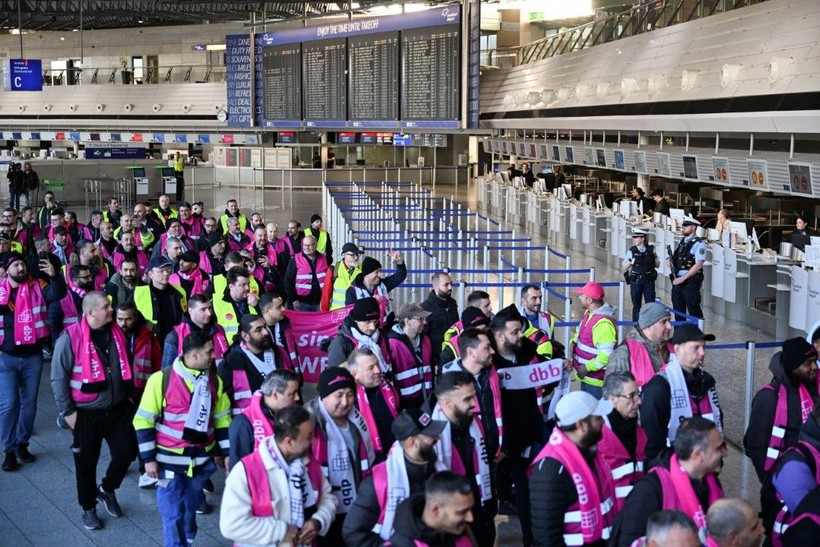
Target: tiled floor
(38, 503)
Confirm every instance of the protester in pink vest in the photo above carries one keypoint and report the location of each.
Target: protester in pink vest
(572, 494)
(23, 332)
(733, 522)
(471, 318)
(782, 406)
(671, 527)
(193, 226)
(128, 248)
(646, 349)
(272, 308)
(412, 355)
(277, 495)
(265, 261)
(279, 390)
(189, 276)
(623, 446)
(594, 340)
(410, 462)
(438, 517)
(305, 277)
(248, 362)
(463, 449)
(344, 468)
(68, 310)
(687, 483)
(376, 398)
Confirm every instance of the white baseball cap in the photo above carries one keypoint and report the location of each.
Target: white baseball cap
(579, 405)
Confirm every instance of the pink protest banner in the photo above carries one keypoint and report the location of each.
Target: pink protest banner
(310, 329)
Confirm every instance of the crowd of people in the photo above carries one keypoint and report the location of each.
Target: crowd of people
(171, 339)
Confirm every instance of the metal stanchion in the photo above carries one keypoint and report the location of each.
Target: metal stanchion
(568, 319)
(568, 277)
(750, 379)
(592, 274)
(620, 310)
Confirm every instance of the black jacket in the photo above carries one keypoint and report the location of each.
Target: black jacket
(807, 530)
(443, 314)
(656, 409)
(520, 407)
(237, 360)
(552, 492)
(358, 525)
(390, 282)
(241, 436)
(340, 346)
(645, 499)
(409, 527)
(764, 404)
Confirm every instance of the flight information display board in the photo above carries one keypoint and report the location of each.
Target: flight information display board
(282, 82)
(373, 88)
(431, 70)
(324, 68)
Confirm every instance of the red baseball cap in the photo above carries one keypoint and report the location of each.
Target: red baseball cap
(593, 290)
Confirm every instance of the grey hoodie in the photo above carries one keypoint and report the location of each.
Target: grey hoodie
(619, 361)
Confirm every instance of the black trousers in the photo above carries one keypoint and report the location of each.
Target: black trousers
(93, 426)
(515, 467)
(180, 185)
(686, 297)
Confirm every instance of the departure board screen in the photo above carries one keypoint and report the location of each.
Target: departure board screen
(374, 77)
(282, 82)
(325, 65)
(431, 73)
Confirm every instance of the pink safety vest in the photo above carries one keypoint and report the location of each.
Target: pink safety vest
(177, 405)
(640, 363)
(781, 421)
(261, 423)
(319, 452)
(242, 392)
(218, 337)
(259, 485)
(290, 359)
(784, 517)
(590, 518)
(88, 364)
(624, 470)
(412, 379)
(494, 383)
(205, 263)
(679, 494)
(30, 312)
(585, 350)
(193, 227)
(71, 314)
(143, 355)
(305, 273)
(383, 347)
(461, 541)
(200, 285)
(99, 279)
(392, 400)
(142, 261)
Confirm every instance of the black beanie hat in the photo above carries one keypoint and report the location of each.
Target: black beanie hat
(333, 379)
(365, 309)
(370, 265)
(796, 351)
(314, 217)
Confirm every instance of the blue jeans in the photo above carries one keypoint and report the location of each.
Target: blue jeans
(595, 391)
(177, 503)
(643, 288)
(19, 384)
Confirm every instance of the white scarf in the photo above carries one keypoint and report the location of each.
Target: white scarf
(300, 489)
(340, 468)
(199, 413)
(561, 390)
(371, 343)
(398, 488)
(264, 367)
(444, 452)
(681, 406)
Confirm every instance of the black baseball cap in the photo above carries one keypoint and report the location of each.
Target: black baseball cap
(351, 248)
(413, 421)
(688, 333)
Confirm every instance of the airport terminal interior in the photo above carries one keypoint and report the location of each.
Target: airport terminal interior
(506, 142)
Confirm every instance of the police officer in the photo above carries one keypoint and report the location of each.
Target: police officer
(687, 266)
(639, 271)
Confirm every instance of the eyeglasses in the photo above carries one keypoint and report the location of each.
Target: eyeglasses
(634, 396)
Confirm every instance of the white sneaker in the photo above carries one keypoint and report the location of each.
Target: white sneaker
(146, 481)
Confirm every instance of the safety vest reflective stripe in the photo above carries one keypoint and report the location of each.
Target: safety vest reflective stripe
(626, 469)
(147, 415)
(780, 528)
(415, 388)
(586, 348)
(578, 539)
(176, 434)
(778, 432)
(148, 446)
(182, 460)
(175, 417)
(409, 373)
(622, 491)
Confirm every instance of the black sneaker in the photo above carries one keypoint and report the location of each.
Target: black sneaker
(90, 520)
(24, 455)
(208, 486)
(10, 463)
(203, 508)
(109, 499)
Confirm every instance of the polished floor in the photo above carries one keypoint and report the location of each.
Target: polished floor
(38, 503)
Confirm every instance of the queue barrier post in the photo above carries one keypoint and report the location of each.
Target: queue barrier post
(567, 278)
(567, 319)
(620, 307)
(486, 264)
(750, 378)
(592, 274)
(462, 290)
(529, 264)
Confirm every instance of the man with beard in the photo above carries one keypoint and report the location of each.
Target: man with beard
(440, 517)
(463, 449)
(569, 479)
(236, 238)
(272, 309)
(28, 230)
(60, 244)
(248, 363)
(443, 310)
(265, 261)
(623, 445)
(279, 390)
(277, 495)
(232, 211)
(410, 462)
(291, 243)
(67, 311)
(23, 332)
(160, 303)
(193, 226)
(199, 317)
(693, 389)
(235, 301)
(781, 407)
(376, 399)
(189, 277)
(89, 256)
(212, 258)
(341, 440)
(256, 222)
(128, 249)
(123, 283)
(688, 483)
(646, 348)
(107, 243)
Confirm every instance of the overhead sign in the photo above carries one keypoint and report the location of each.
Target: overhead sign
(22, 75)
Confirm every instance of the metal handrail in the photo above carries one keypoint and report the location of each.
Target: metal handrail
(640, 19)
(151, 75)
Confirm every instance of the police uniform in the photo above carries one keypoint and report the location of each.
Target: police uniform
(686, 297)
(641, 275)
